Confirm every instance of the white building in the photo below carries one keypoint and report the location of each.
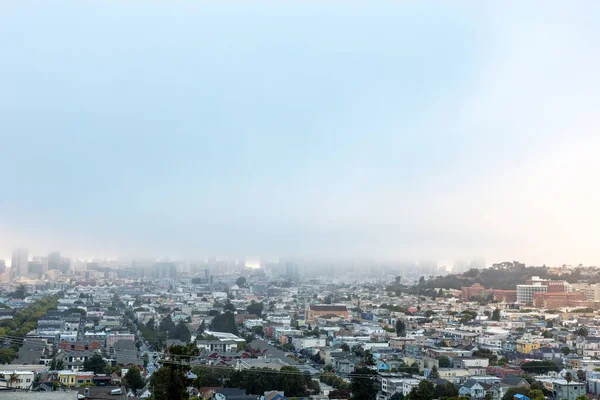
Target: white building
(16, 379)
(525, 292)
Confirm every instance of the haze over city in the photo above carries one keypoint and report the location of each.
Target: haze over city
(355, 130)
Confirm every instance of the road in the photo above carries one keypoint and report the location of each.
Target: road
(151, 368)
(273, 351)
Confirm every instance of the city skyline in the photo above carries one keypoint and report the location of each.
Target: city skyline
(370, 131)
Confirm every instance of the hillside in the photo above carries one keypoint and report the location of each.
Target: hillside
(505, 275)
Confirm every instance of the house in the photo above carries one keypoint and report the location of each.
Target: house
(568, 390)
(515, 381)
(126, 353)
(16, 379)
(67, 378)
(235, 394)
(475, 366)
(274, 395)
(549, 353)
(31, 352)
(472, 389)
(408, 385)
(344, 366)
(73, 360)
(498, 390)
(454, 375)
(382, 366)
(82, 378)
(102, 380)
(207, 392)
(217, 345)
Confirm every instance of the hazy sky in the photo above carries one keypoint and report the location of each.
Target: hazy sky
(301, 128)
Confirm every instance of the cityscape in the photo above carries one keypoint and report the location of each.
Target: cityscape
(299, 200)
(255, 329)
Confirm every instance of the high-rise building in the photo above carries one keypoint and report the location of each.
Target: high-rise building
(2, 267)
(19, 263)
(291, 270)
(54, 261)
(35, 269)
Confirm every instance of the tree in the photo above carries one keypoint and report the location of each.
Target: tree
(368, 358)
(258, 330)
(581, 375)
(241, 281)
(224, 323)
(398, 279)
(565, 350)
(364, 384)
(444, 362)
(345, 347)
(424, 391)
(547, 335)
(133, 379)
(568, 377)
(536, 394)
(228, 307)
(202, 327)
(447, 389)
(539, 367)
(395, 396)
(344, 394)
(145, 359)
(13, 379)
(95, 363)
(582, 331)
(150, 323)
(434, 374)
(510, 393)
(18, 293)
(288, 347)
(496, 315)
(166, 324)
(170, 382)
(400, 328)
(255, 308)
(180, 332)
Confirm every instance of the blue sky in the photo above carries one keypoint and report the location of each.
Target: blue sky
(318, 129)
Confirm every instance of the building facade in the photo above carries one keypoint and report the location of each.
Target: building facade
(525, 292)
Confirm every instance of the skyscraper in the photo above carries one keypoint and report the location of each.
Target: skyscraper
(53, 261)
(19, 263)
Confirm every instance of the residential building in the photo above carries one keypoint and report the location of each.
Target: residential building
(568, 390)
(16, 379)
(472, 389)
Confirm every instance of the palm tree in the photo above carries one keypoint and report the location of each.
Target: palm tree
(13, 378)
(568, 377)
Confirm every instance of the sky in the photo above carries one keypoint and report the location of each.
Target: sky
(385, 130)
